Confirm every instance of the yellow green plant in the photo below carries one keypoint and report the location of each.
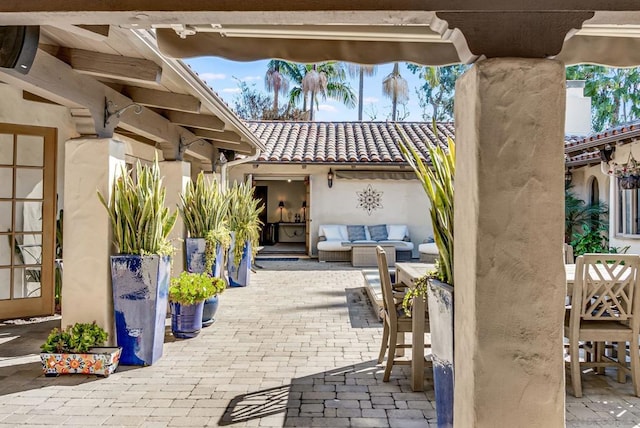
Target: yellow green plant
(244, 219)
(141, 222)
(191, 288)
(438, 183)
(204, 208)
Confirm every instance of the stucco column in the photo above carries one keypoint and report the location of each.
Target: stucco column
(90, 165)
(509, 216)
(176, 176)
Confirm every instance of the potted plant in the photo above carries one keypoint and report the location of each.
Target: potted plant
(438, 183)
(187, 295)
(141, 268)
(245, 225)
(628, 174)
(79, 349)
(203, 207)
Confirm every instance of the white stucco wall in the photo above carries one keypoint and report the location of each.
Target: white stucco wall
(578, 111)
(404, 201)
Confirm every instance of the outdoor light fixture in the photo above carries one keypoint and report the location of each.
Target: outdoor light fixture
(304, 210)
(330, 178)
(281, 206)
(568, 176)
(606, 153)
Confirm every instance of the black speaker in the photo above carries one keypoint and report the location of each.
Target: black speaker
(18, 47)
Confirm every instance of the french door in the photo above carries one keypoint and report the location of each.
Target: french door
(27, 220)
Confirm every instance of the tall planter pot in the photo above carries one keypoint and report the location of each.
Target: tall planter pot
(240, 275)
(440, 301)
(195, 255)
(140, 293)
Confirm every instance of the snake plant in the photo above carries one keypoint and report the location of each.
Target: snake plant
(437, 181)
(244, 219)
(141, 223)
(204, 208)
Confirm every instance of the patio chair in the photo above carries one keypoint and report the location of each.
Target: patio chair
(567, 252)
(604, 307)
(396, 323)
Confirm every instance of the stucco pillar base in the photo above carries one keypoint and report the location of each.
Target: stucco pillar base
(176, 176)
(509, 217)
(90, 165)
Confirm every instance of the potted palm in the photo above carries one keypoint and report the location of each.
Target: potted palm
(438, 183)
(187, 295)
(245, 224)
(141, 268)
(78, 349)
(203, 207)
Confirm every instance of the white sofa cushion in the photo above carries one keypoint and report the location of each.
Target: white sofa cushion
(428, 248)
(334, 232)
(400, 245)
(396, 232)
(333, 246)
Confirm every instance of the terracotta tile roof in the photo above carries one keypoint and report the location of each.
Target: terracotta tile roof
(348, 142)
(586, 150)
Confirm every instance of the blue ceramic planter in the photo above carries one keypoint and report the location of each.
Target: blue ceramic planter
(140, 291)
(186, 320)
(195, 258)
(195, 255)
(440, 297)
(239, 276)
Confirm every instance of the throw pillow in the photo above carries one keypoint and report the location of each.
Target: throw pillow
(397, 232)
(332, 233)
(356, 233)
(378, 232)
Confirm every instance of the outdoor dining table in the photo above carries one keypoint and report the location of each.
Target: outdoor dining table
(407, 273)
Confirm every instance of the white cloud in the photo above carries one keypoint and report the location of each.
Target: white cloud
(370, 100)
(213, 76)
(231, 90)
(250, 78)
(327, 107)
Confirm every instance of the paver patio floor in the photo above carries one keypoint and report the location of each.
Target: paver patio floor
(295, 348)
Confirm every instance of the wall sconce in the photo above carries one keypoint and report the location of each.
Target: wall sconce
(304, 210)
(606, 153)
(281, 206)
(568, 176)
(330, 178)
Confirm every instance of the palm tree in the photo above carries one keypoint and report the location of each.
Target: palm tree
(361, 71)
(275, 81)
(395, 87)
(327, 79)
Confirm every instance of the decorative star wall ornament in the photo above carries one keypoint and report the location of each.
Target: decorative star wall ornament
(369, 199)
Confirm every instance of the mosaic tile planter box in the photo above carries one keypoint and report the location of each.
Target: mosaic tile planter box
(101, 361)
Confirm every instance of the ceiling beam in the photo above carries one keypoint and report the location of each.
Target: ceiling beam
(240, 148)
(107, 65)
(164, 100)
(200, 121)
(98, 33)
(52, 79)
(226, 136)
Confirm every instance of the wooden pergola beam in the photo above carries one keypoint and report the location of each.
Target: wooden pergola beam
(52, 79)
(98, 33)
(200, 121)
(226, 136)
(107, 65)
(164, 100)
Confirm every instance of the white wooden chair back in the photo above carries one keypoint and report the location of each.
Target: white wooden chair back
(606, 288)
(385, 283)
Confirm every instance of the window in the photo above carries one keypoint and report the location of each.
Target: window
(628, 208)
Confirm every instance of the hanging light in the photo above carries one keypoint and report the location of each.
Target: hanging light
(330, 178)
(568, 176)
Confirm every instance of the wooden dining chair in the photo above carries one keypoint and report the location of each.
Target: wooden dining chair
(396, 323)
(604, 308)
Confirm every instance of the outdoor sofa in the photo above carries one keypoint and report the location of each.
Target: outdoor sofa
(336, 240)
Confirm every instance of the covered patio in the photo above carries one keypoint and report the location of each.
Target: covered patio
(273, 358)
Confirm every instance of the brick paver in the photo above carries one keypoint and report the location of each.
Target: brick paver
(295, 348)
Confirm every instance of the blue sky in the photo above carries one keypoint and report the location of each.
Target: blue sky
(220, 73)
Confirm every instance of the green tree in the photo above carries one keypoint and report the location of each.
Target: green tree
(614, 92)
(251, 104)
(395, 87)
(327, 79)
(435, 96)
